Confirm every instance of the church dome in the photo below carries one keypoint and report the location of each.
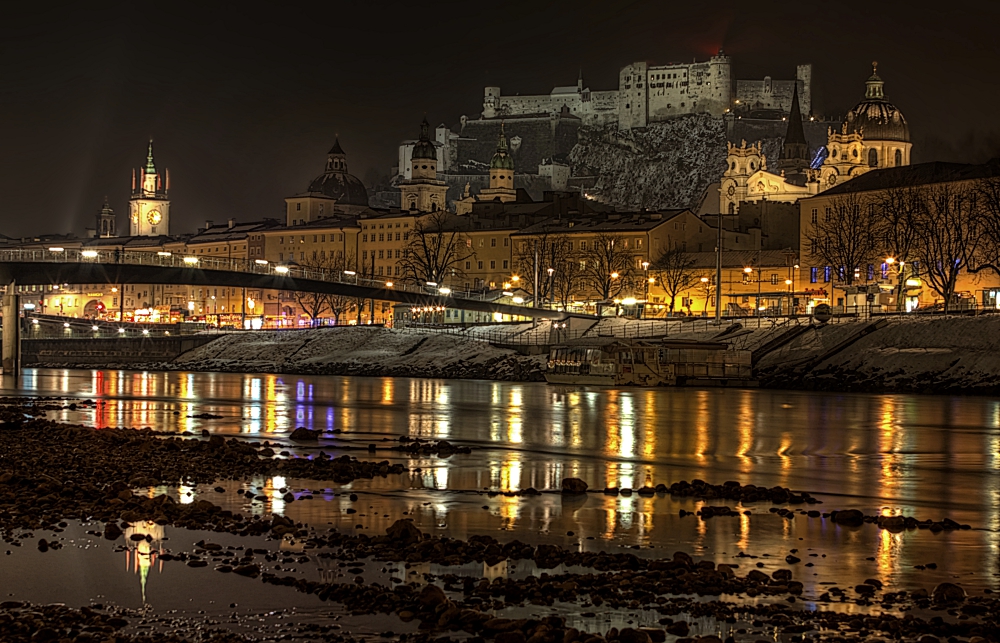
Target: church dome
(336, 183)
(423, 148)
(876, 118)
(502, 160)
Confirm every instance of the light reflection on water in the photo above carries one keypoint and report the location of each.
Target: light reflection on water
(928, 456)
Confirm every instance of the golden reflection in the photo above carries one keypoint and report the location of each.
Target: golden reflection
(745, 431)
(388, 390)
(141, 555)
(649, 435)
(887, 557)
(703, 417)
(510, 473)
(743, 542)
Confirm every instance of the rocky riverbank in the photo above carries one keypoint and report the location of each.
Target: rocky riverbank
(52, 473)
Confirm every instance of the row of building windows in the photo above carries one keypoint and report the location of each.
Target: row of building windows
(825, 273)
(493, 265)
(382, 237)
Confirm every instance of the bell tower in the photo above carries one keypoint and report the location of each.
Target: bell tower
(149, 207)
(501, 174)
(106, 221)
(423, 192)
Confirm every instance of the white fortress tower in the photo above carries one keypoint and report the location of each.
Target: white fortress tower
(149, 207)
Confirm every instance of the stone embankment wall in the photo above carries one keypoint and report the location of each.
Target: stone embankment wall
(958, 355)
(105, 351)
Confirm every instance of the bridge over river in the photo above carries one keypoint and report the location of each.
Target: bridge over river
(72, 266)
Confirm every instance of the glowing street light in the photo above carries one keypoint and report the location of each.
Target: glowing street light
(444, 290)
(281, 270)
(191, 260)
(388, 284)
(89, 254)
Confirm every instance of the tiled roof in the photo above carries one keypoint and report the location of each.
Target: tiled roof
(915, 175)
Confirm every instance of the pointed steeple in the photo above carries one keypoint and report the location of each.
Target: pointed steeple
(150, 166)
(794, 134)
(336, 159)
(795, 149)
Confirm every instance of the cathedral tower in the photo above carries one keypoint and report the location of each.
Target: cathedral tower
(501, 174)
(106, 221)
(423, 192)
(149, 207)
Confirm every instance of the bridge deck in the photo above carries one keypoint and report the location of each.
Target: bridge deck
(43, 267)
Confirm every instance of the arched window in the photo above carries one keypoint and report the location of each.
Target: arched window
(873, 158)
(899, 158)
(413, 205)
(732, 208)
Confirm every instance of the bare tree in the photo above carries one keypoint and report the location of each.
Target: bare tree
(674, 270)
(435, 249)
(846, 236)
(896, 209)
(986, 199)
(341, 304)
(542, 252)
(608, 264)
(948, 234)
(568, 279)
(314, 304)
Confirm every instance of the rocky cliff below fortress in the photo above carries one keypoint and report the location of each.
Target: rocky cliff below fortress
(665, 165)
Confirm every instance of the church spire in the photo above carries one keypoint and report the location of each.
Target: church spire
(795, 149)
(150, 166)
(794, 133)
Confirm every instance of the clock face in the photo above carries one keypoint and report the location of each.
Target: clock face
(732, 190)
(154, 217)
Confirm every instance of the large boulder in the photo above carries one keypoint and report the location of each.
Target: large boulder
(948, 593)
(431, 596)
(574, 485)
(302, 434)
(404, 532)
(849, 517)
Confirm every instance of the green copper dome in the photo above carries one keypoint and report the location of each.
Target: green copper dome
(502, 160)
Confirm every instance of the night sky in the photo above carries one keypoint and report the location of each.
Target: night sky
(244, 100)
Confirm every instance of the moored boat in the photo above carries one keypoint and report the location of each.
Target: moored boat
(609, 361)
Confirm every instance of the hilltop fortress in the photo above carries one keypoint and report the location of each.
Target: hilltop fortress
(653, 93)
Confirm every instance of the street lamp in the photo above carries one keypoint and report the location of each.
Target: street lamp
(645, 268)
(551, 271)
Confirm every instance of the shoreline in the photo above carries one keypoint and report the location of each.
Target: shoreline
(925, 356)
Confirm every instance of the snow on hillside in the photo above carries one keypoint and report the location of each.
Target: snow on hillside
(664, 165)
(918, 354)
(354, 350)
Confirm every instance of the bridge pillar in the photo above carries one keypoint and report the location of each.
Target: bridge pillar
(11, 358)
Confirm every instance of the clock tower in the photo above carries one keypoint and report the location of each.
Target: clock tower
(149, 207)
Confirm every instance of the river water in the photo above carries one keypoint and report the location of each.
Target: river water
(927, 456)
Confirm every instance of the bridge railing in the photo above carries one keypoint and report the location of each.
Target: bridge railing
(252, 266)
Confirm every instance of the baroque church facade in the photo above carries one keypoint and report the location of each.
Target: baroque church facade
(873, 135)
